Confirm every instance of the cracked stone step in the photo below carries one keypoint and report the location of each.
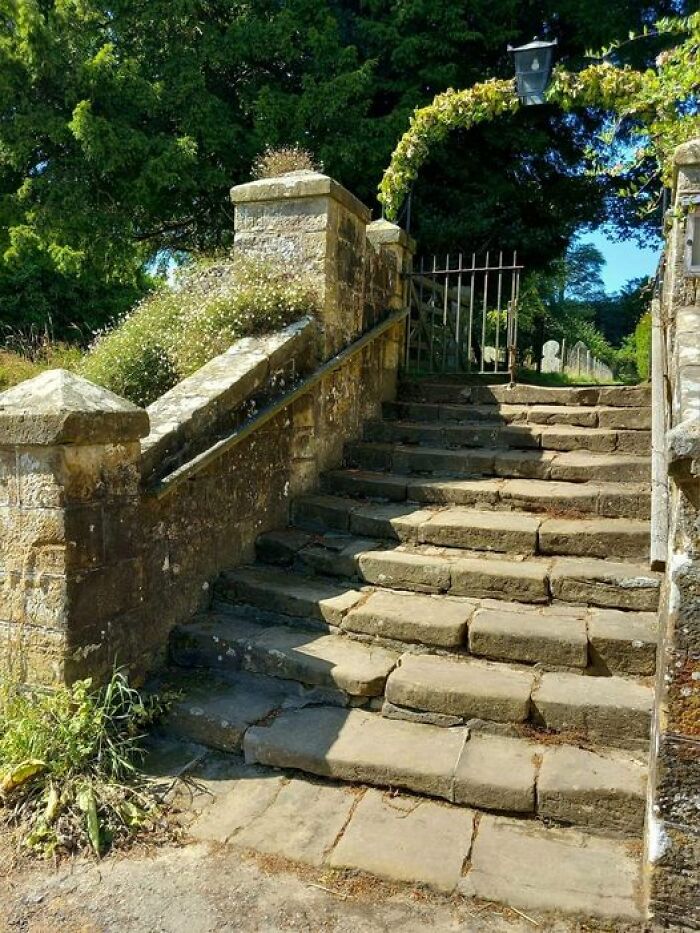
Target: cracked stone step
(571, 466)
(551, 635)
(586, 789)
(501, 531)
(554, 871)
(286, 652)
(497, 773)
(618, 538)
(518, 435)
(218, 714)
(470, 769)
(354, 745)
(633, 419)
(288, 593)
(437, 621)
(467, 688)
(610, 709)
(605, 584)
(423, 569)
(614, 500)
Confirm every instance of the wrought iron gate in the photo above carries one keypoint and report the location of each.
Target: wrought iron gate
(463, 316)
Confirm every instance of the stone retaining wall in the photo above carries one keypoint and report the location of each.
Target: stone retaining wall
(673, 820)
(100, 555)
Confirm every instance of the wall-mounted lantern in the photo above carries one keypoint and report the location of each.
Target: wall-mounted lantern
(533, 69)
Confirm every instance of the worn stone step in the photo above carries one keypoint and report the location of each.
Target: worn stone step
(435, 621)
(473, 769)
(217, 714)
(465, 688)
(519, 436)
(553, 635)
(584, 788)
(614, 500)
(427, 569)
(503, 531)
(288, 593)
(609, 709)
(288, 652)
(610, 641)
(565, 636)
(625, 419)
(554, 871)
(616, 538)
(568, 466)
(456, 391)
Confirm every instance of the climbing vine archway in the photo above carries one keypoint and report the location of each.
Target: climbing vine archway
(661, 102)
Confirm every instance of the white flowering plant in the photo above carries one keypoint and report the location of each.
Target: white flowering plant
(178, 328)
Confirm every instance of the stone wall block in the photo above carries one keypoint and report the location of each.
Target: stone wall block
(75, 449)
(673, 826)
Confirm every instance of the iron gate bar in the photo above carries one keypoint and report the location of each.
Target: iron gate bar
(443, 312)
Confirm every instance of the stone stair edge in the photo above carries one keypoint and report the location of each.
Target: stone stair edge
(426, 568)
(232, 718)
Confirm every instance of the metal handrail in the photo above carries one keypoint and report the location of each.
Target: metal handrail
(171, 481)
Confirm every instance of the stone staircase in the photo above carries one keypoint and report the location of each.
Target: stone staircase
(464, 612)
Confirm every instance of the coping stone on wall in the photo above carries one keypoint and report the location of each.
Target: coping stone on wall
(191, 410)
(302, 184)
(58, 407)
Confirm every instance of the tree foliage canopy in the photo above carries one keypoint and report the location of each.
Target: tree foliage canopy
(124, 124)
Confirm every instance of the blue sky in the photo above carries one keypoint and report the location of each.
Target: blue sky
(623, 261)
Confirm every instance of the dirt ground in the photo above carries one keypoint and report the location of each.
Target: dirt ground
(198, 888)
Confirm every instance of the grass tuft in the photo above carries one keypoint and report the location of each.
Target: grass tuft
(69, 766)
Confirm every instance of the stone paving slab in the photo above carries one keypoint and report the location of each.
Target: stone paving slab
(473, 689)
(406, 839)
(353, 745)
(235, 809)
(553, 871)
(430, 620)
(301, 823)
(602, 792)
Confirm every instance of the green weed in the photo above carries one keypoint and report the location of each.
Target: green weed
(69, 765)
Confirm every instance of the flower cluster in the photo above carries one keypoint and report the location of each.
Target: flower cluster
(177, 329)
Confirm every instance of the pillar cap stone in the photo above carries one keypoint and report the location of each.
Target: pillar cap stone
(687, 153)
(58, 407)
(383, 231)
(294, 185)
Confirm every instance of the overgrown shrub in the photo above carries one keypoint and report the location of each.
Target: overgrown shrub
(177, 329)
(282, 159)
(69, 759)
(642, 346)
